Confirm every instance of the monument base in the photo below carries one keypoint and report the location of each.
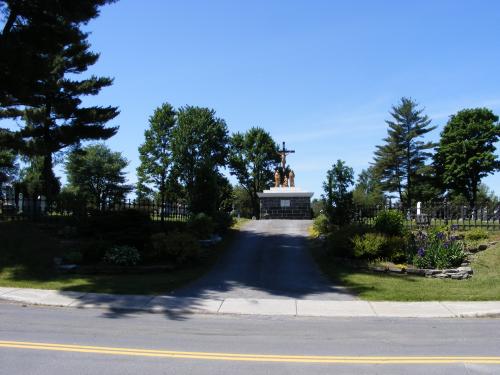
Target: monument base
(285, 203)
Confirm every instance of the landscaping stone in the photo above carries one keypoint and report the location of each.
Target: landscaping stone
(465, 270)
(441, 276)
(395, 270)
(415, 271)
(378, 268)
(432, 272)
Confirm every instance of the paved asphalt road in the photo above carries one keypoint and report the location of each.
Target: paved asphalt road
(268, 260)
(26, 332)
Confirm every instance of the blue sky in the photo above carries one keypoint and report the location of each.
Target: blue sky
(320, 75)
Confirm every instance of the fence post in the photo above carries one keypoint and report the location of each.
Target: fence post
(445, 213)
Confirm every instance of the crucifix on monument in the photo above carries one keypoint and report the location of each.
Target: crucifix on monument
(284, 200)
(288, 180)
(283, 153)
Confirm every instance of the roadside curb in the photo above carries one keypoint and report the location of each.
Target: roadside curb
(171, 305)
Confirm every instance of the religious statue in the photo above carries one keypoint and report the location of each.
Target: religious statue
(283, 153)
(291, 177)
(285, 181)
(277, 178)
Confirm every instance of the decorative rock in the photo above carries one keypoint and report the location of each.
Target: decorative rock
(451, 270)
(465, 264)
(467, 270)
(459, 276)
(416, 271)
(395, 270)
(441, 276)
(493, 243)
(378, 269)
(432, 272)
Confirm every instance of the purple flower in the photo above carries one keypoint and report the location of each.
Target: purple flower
(454, 238)
(446, 245)
(440, 235)
(454, 227)
(421, 252)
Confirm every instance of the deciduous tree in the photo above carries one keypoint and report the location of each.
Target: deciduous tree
(155, 154)
(97, 173)
(338, 197)
(199, 149)
(466, 151)
(253, 158)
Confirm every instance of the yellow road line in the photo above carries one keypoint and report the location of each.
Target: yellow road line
(252, 357)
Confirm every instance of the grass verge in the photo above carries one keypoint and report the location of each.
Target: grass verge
(26, 261)
(483, 286)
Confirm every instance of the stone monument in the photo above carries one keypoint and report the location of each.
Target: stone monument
(284, 200)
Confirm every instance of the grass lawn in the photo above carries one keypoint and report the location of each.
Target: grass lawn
(26, 261)
(483, 286)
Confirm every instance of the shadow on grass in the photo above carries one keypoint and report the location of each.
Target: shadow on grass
(266, 259)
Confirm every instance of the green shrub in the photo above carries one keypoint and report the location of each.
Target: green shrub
(93, 251)
(369, 245)
(378, 245)
(122, 256)
(201, 225)
(222, 222)
(321, 225)
(112, 221)
(174, 247)
(395, 249)
(340, 241)
(390, 222)
(476, 234)
(73, 257)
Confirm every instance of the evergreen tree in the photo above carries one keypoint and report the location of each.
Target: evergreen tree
(253, 157)
(42, 49)
(368, 191)
(199, 148)
(8, 166)
(400, 161)
(155, 155)
(466, 151)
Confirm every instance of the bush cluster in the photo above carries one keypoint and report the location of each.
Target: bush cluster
(201, 225)
(175, 247)
(122, 256)
(321, 225)
(476, 234)
(390, 222)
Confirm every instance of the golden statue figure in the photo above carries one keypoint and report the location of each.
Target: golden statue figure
(285, 181)
(277, 178)
(291, 177)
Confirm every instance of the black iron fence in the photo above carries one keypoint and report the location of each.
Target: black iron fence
(40, 208)
(485, 216)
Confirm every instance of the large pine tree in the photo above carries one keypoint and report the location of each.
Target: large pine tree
(42, 50)
(401, 161)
